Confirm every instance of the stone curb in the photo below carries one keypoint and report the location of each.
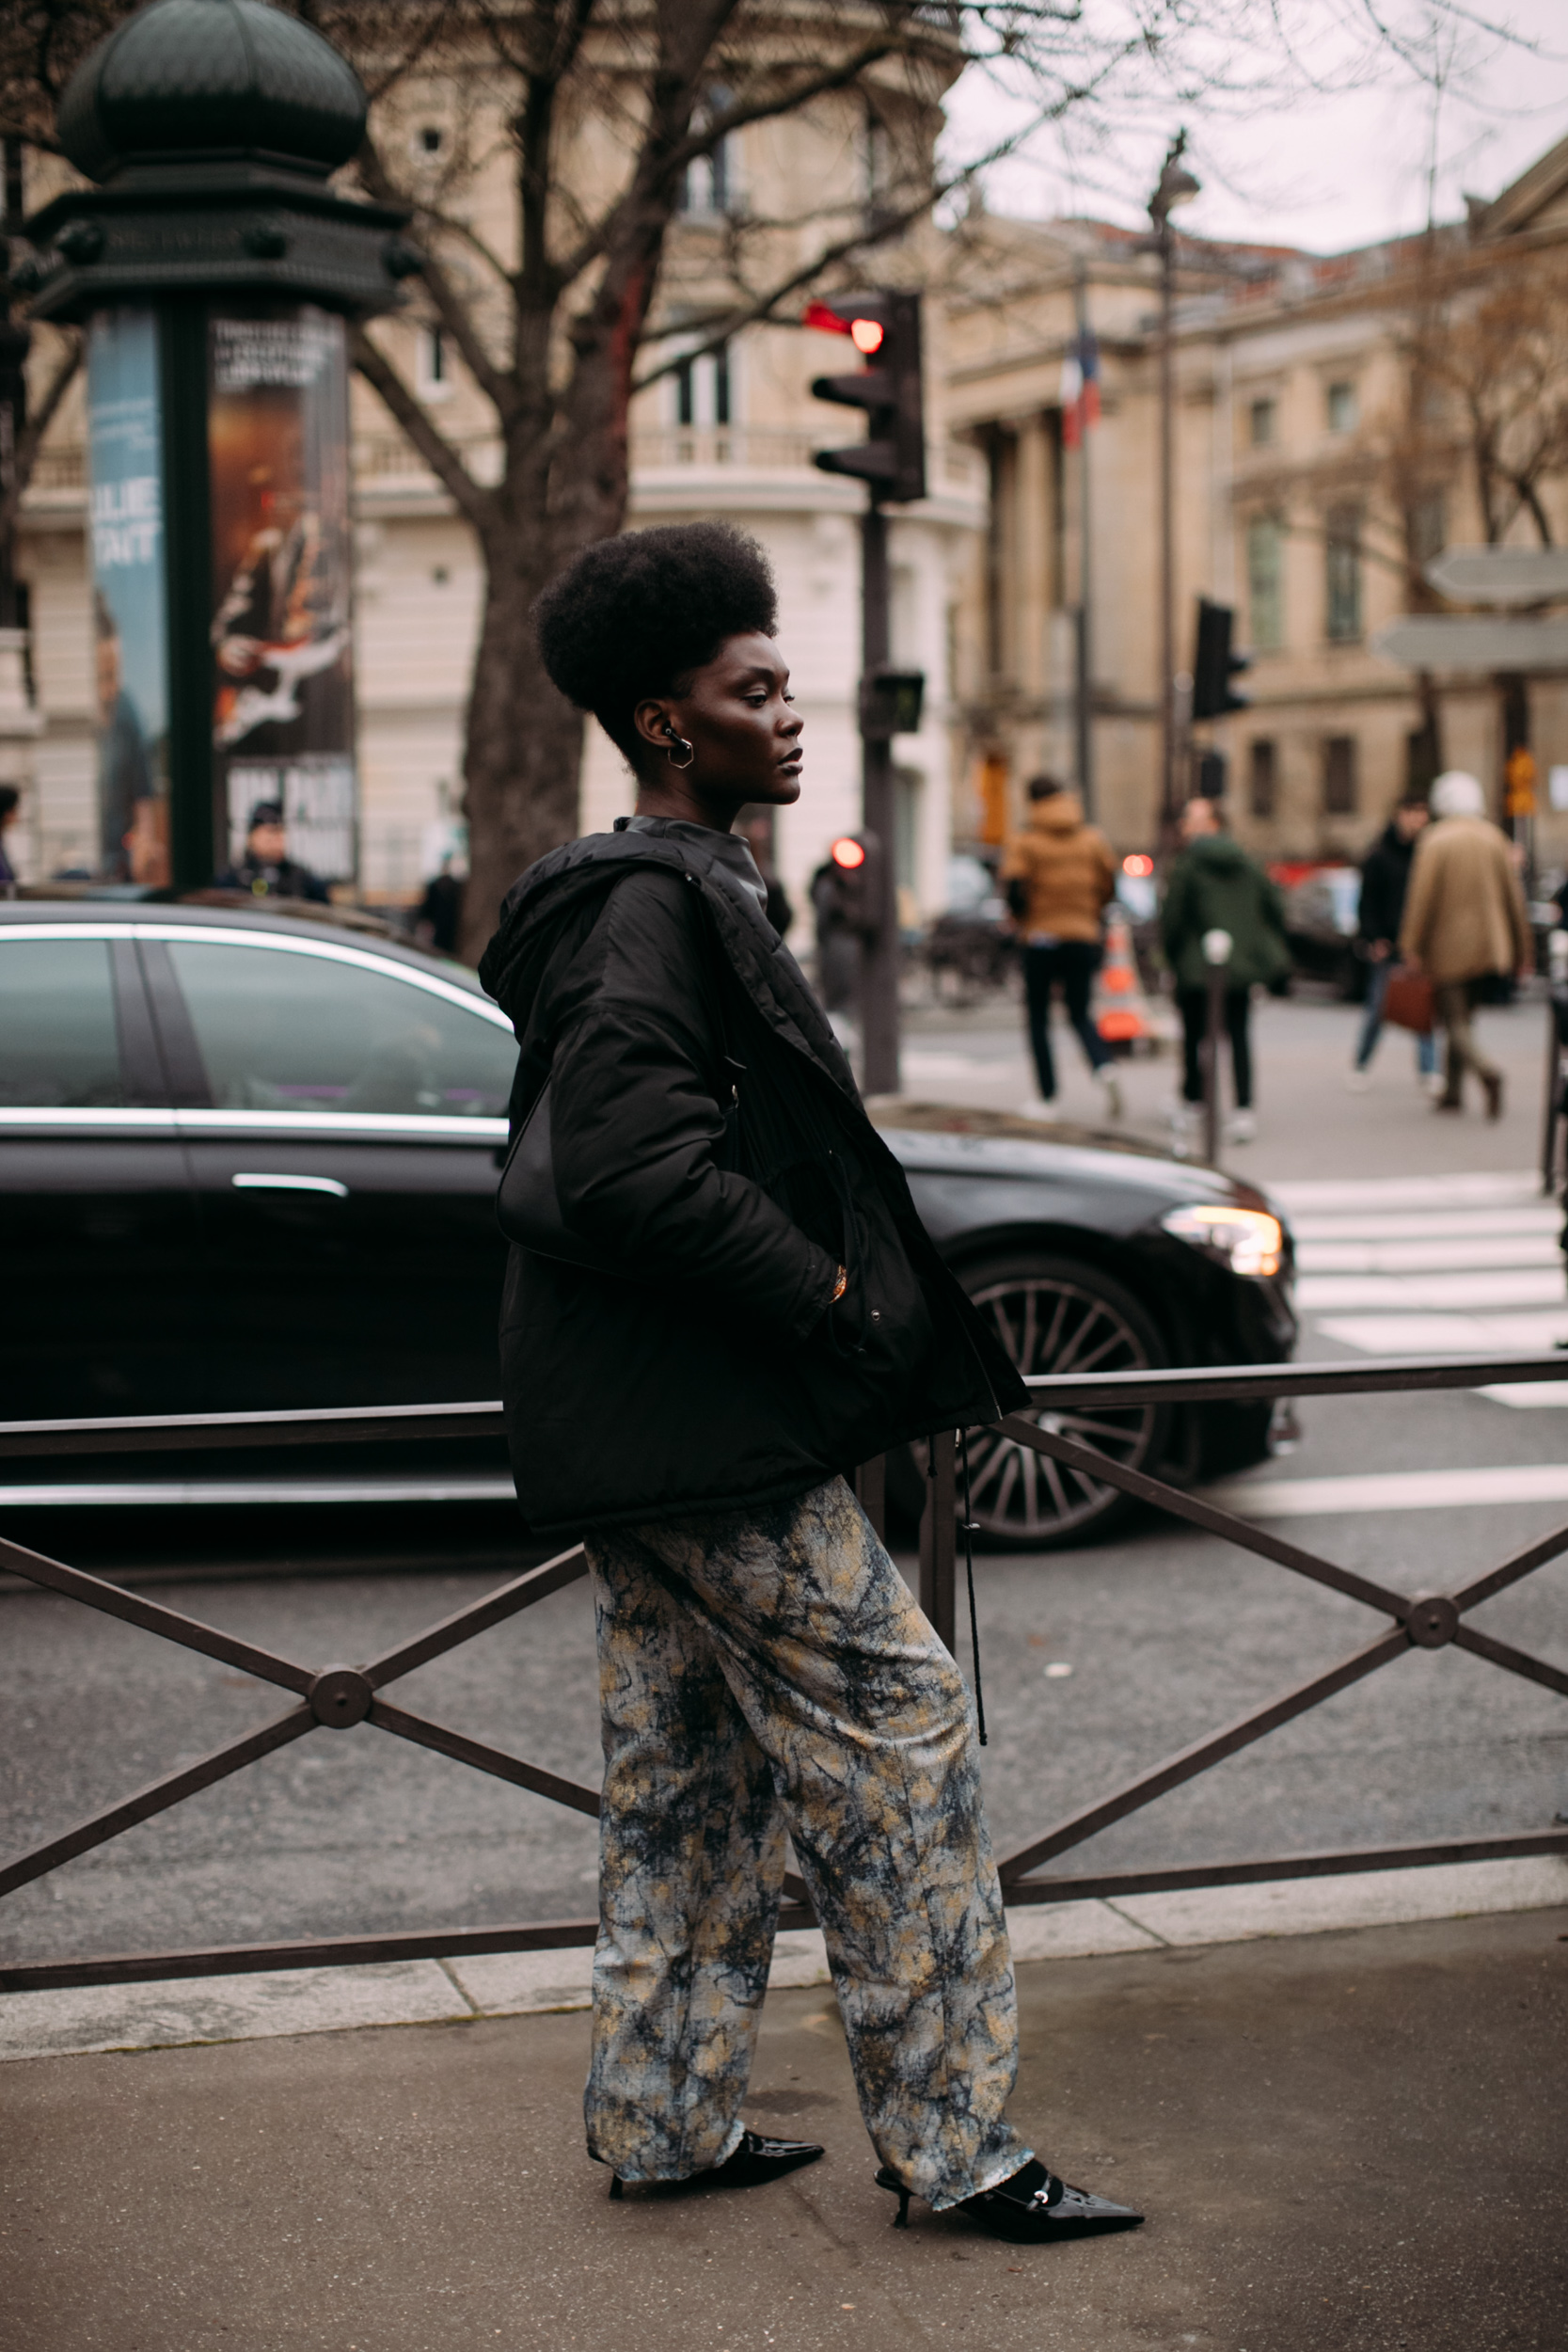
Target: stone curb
(101, 2018)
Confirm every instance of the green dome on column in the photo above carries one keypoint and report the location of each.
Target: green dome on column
(212, 80)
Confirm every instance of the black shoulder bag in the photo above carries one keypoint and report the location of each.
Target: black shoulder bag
(528, 1206)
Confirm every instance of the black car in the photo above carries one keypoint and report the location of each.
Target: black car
(248, 1161)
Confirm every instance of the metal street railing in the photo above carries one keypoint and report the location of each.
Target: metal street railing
(339, 1698)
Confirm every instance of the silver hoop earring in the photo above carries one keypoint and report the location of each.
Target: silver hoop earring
(689, 749)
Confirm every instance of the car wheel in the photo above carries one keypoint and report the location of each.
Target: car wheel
(1054, 1314)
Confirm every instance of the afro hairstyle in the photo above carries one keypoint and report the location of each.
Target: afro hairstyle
(635, 615)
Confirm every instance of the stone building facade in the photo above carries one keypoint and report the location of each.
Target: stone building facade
(1299, 502)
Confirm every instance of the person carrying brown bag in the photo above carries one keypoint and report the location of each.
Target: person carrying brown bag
(1465, 924)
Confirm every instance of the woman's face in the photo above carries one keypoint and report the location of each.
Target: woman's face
(740, 718)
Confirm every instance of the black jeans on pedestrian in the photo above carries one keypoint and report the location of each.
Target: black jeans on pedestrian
(1193, 1003)
(1071, 962)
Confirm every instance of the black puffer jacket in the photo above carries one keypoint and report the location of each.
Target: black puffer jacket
(716, 1375)
(1384, 885)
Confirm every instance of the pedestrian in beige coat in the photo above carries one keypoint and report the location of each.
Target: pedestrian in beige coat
(1465, 923)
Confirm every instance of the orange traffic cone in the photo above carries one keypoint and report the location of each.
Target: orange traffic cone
(1120, 1008)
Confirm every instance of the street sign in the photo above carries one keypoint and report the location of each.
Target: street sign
(1443, 641)
(1501, 574)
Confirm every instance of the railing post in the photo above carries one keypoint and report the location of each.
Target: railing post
(871, 1493)
(1556, 980)
(1216, 952)
(938, 1537)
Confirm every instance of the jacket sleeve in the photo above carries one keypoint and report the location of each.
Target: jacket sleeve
(1417, 905)
(1106, 876)
(1015, 860)
(1518, 917)
(1173, 915)
(636, 1128)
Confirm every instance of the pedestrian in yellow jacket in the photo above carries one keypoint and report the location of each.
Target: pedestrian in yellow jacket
(1059, 877)
(1465, 923)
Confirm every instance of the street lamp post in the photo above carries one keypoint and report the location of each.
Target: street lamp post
(1176, 185)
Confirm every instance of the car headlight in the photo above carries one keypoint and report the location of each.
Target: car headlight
(1249, 1240)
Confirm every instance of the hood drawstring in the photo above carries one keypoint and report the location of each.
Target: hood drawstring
(970, 1530)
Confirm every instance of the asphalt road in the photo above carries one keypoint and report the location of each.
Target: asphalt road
(1166, 1633)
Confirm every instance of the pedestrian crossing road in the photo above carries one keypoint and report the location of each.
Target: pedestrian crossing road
(1419, 1265)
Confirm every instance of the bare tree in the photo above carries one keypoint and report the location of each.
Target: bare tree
(597, 111)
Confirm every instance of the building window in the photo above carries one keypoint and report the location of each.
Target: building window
(1263, 776)
(1339, 775)
(878, 156)
(704, 388)
(1427, 526)
(1262, 421)
(1266, 571)
(1342, 573)
(432, 365)
(1341, 408)
(707, 185)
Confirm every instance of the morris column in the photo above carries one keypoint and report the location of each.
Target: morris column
(214, 273)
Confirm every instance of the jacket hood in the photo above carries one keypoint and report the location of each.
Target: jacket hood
(1062, 813)
(1220, 851)
(514, 964)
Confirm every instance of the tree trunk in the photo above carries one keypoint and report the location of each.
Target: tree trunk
(523, 754)
(524, 743)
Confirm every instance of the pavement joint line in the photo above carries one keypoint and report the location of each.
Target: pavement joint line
(458, 1988)
(105, 2019)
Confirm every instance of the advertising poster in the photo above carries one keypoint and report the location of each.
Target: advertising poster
(283, 709)
(130, 612)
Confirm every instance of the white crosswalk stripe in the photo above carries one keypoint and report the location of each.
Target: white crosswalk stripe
(1418, 1265)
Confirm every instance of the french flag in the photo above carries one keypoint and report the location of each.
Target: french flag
(1080, 392)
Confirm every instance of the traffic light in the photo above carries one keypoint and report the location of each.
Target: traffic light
(885, 331)
(891, 704)
(857, 863)
(1215, 665)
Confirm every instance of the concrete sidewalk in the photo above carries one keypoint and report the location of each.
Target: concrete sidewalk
(1346, 2142)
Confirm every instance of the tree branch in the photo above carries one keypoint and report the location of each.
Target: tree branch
(30, 440)
(696, 143)
(494, 383)
(474, 500)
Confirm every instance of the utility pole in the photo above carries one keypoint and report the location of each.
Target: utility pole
(884, 328)
(1176, 185)
(879, 942)
(1084, 710)
(15, 342)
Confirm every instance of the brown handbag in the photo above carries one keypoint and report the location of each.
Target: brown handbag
(1409, 1001)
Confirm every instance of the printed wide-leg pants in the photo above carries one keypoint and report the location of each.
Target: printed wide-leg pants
(763, 1671)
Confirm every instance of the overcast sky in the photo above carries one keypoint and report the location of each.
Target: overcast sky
(1323, 170)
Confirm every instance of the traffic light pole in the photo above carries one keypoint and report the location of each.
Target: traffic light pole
(880, 952)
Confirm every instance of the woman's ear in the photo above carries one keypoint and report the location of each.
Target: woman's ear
(654, 723)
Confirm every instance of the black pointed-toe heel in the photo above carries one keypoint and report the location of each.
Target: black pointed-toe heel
(1031, 2209)
(759, 2159)
(755, 2161)
(890, 2180)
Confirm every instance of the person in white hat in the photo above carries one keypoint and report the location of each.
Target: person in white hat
(1465, 924)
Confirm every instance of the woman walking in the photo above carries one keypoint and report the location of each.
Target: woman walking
(754, 1307)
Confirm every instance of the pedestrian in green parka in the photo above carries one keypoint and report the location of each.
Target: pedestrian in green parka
(1215, 885)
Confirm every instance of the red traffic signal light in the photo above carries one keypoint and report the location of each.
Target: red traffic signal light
(847, 853)
(884, 328)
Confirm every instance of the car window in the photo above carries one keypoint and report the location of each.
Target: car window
(280, 1030)
(59, 1047)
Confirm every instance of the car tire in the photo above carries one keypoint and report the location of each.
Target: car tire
(1052, 1314)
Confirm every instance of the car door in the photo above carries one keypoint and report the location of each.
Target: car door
(342, 1111)
(102, 1279)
